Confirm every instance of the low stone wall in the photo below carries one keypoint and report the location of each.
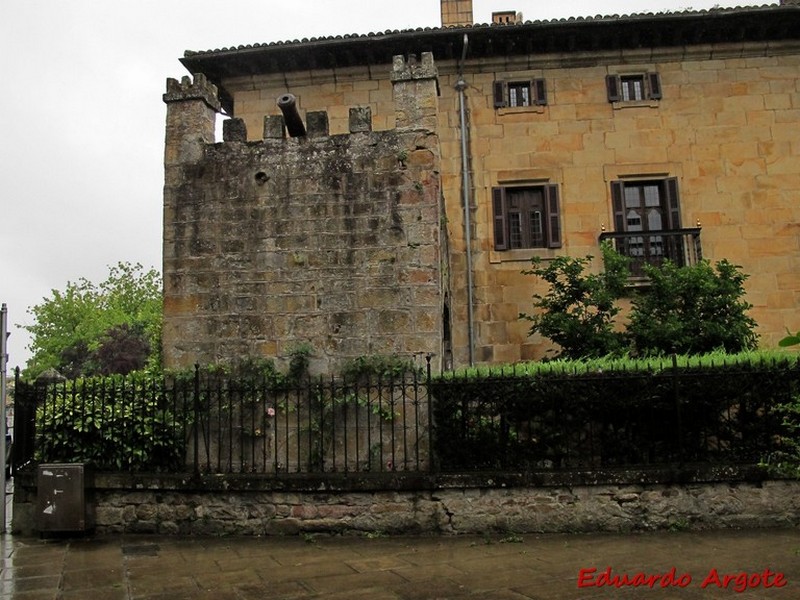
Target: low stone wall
(449, 504)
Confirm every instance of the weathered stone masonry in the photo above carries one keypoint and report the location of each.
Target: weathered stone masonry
(420, 504)
(330, 241)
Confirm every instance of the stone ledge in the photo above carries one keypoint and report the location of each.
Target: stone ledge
(693, 497)
(368, 482)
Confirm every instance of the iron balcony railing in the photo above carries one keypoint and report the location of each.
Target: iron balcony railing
(680, 246)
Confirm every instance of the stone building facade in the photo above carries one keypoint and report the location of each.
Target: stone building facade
(673, 134)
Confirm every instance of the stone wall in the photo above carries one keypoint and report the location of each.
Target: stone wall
(420, 504)
(725, 126)
(325, 241)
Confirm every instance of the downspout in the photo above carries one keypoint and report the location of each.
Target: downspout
(460, 86)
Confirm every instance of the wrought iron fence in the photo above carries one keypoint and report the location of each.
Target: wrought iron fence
(211, 423)
(666, 416)
(207, 423)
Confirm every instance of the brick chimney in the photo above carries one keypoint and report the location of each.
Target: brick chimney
(456, 12)
(506, 17)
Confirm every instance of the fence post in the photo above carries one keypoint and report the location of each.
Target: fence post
(196, 410)
(431, 434)
(17, 455)
(678, 415)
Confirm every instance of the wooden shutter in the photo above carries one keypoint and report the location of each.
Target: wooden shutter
(539, 90)
(553, 212)
(672, 203)
(614, 88)
(618, 204)
(499, 94)
(654, 84)
(499, 215)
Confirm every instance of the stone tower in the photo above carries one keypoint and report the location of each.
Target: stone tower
(330, 242)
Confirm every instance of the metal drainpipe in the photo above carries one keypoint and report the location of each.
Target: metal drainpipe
(460, 86)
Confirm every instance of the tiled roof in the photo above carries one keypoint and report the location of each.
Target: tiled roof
(599, 34)
(479, 26)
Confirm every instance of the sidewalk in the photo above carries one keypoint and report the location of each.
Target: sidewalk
(540, 567)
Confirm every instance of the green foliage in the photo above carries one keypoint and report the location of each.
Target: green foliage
(793, 339)
(603, 364)
(113, 423)
(122, 315)
(251, 372)
(692, 310)
(786, 461)
(378, 366)
(604, 412)
(578, 313)
(122, 349)
(299, 361)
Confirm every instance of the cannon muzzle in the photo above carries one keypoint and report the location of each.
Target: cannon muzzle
(294, 124)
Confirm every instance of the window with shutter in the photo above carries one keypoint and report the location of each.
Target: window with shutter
(519, 94)
(539, 92)
(648, 213)
(633, 87)
(613, 87)
(526, 217)
(654, 85)
(499, 94)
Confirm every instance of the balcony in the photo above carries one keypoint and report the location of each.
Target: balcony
(681, 246)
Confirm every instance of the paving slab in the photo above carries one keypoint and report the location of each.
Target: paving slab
(742, 564)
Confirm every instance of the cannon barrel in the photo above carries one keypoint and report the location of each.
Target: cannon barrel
(294, 124)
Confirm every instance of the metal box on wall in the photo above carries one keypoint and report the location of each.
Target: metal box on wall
(64, 502)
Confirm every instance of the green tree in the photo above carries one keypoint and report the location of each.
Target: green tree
(579, 310)
(76, 330)
(692, 310)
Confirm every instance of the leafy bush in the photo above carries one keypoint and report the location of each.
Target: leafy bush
(683, 309)
(603, 413)
(113, 423)
(578, 313)
(692, 310)
(786, 462)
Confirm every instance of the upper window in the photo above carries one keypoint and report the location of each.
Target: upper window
(526, 217)
(520, 93)
(633, 87)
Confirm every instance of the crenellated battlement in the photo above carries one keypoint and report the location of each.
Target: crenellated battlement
(415, 90)
(406, 69)
(187, 89)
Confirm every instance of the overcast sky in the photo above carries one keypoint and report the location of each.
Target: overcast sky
(81, 173)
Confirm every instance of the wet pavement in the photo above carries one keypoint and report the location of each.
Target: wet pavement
(406, 568)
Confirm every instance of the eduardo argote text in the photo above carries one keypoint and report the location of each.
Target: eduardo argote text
(738, 582)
